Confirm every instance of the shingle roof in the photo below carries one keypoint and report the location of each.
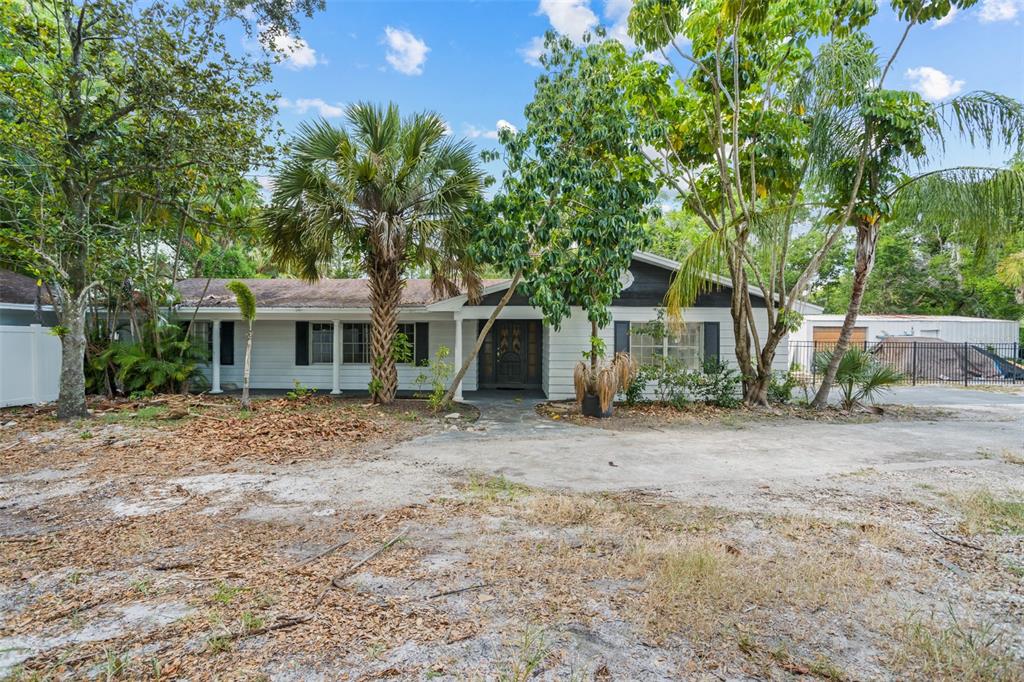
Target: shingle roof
(293, 293)
(18, 288)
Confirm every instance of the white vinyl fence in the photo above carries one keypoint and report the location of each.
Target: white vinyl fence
(29, 365)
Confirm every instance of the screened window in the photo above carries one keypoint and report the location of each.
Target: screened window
(685, 346)
(202, 335)
(355, 343)
(321, 341)
(410, 334)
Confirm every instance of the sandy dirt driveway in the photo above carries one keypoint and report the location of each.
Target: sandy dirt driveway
(325, 542)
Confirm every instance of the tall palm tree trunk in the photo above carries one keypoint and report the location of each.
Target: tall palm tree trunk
(867, 238)
(386, 293)
(246, 404)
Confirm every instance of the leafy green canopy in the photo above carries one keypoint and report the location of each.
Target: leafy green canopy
(384, 189)
(576, 193)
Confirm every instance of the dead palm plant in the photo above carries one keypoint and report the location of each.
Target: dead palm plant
(604, 381)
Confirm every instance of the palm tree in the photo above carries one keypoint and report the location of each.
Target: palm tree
(388, 193)
(247, 306)
(889, 130)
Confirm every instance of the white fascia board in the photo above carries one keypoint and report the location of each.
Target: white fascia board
(289, 312)
(25, 306)
(457, 302)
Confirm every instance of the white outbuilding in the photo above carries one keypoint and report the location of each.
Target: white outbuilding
(824, 329)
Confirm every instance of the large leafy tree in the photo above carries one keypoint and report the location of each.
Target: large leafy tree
(114, 114)
(387, 193)
(576, 194)
(746, 87)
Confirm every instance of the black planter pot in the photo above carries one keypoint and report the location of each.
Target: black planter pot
(592, 407)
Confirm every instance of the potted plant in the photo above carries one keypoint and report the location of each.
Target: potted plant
(596, 383)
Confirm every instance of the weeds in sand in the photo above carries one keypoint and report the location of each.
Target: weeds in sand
(225, 593)
(250, 621)
(143, 586)
(933, 650)
(528, 657)
(984, 512)
(218, 644)
(114, 666)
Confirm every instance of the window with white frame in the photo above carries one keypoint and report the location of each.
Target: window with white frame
(355, 343)
(684, 345)
(321, 341)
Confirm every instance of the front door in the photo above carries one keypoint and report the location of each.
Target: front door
(510, 357)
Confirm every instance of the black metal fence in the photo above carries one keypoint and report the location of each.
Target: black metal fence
(924, 361)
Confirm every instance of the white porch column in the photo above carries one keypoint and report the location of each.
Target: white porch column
(458, 353)
(215, 380)
(336, 359)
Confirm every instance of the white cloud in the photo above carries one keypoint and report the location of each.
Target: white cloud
(297, 53)
(932, 83)
(406, 52)
(532, 51)
(617, 13)
(948, 19)
(999, 10)
(473, 132)
(301, 106)
(571, 17)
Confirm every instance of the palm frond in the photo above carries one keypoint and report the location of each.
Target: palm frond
(707, 257)
(986, 118)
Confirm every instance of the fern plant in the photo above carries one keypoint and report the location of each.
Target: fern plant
(172, 364)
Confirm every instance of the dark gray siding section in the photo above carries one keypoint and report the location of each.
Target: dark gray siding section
(650, 284)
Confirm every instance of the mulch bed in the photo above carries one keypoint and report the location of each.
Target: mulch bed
(655, 414)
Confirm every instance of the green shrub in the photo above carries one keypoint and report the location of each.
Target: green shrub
(436, 374)
(163, 361)
(717, 384)
(780, 390)
(299, 391)
(859, 377)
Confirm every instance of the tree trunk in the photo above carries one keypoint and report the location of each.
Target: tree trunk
(867, 237)
(756, 392)
(245, 370)
(385, 294)
(71, 398)
(740, 330)
(482, 336)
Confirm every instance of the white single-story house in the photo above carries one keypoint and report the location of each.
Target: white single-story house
(319, 334)
(824, 329)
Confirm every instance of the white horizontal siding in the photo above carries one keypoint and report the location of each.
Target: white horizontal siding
(564, 348)
(273, 359)
(953, 330)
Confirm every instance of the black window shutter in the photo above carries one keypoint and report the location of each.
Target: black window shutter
(302, 343)
(711, 341)
(422, 356)
(622, 337)
(227, 343)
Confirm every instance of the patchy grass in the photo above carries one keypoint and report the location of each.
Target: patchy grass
(495, 488)
(984, 512)
(143, 416)
(966, 652)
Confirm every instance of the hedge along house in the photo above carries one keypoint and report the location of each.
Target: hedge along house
(319, 334)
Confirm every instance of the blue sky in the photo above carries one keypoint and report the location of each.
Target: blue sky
(472, 63)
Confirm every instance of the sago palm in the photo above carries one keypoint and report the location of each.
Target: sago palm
(387, 193)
